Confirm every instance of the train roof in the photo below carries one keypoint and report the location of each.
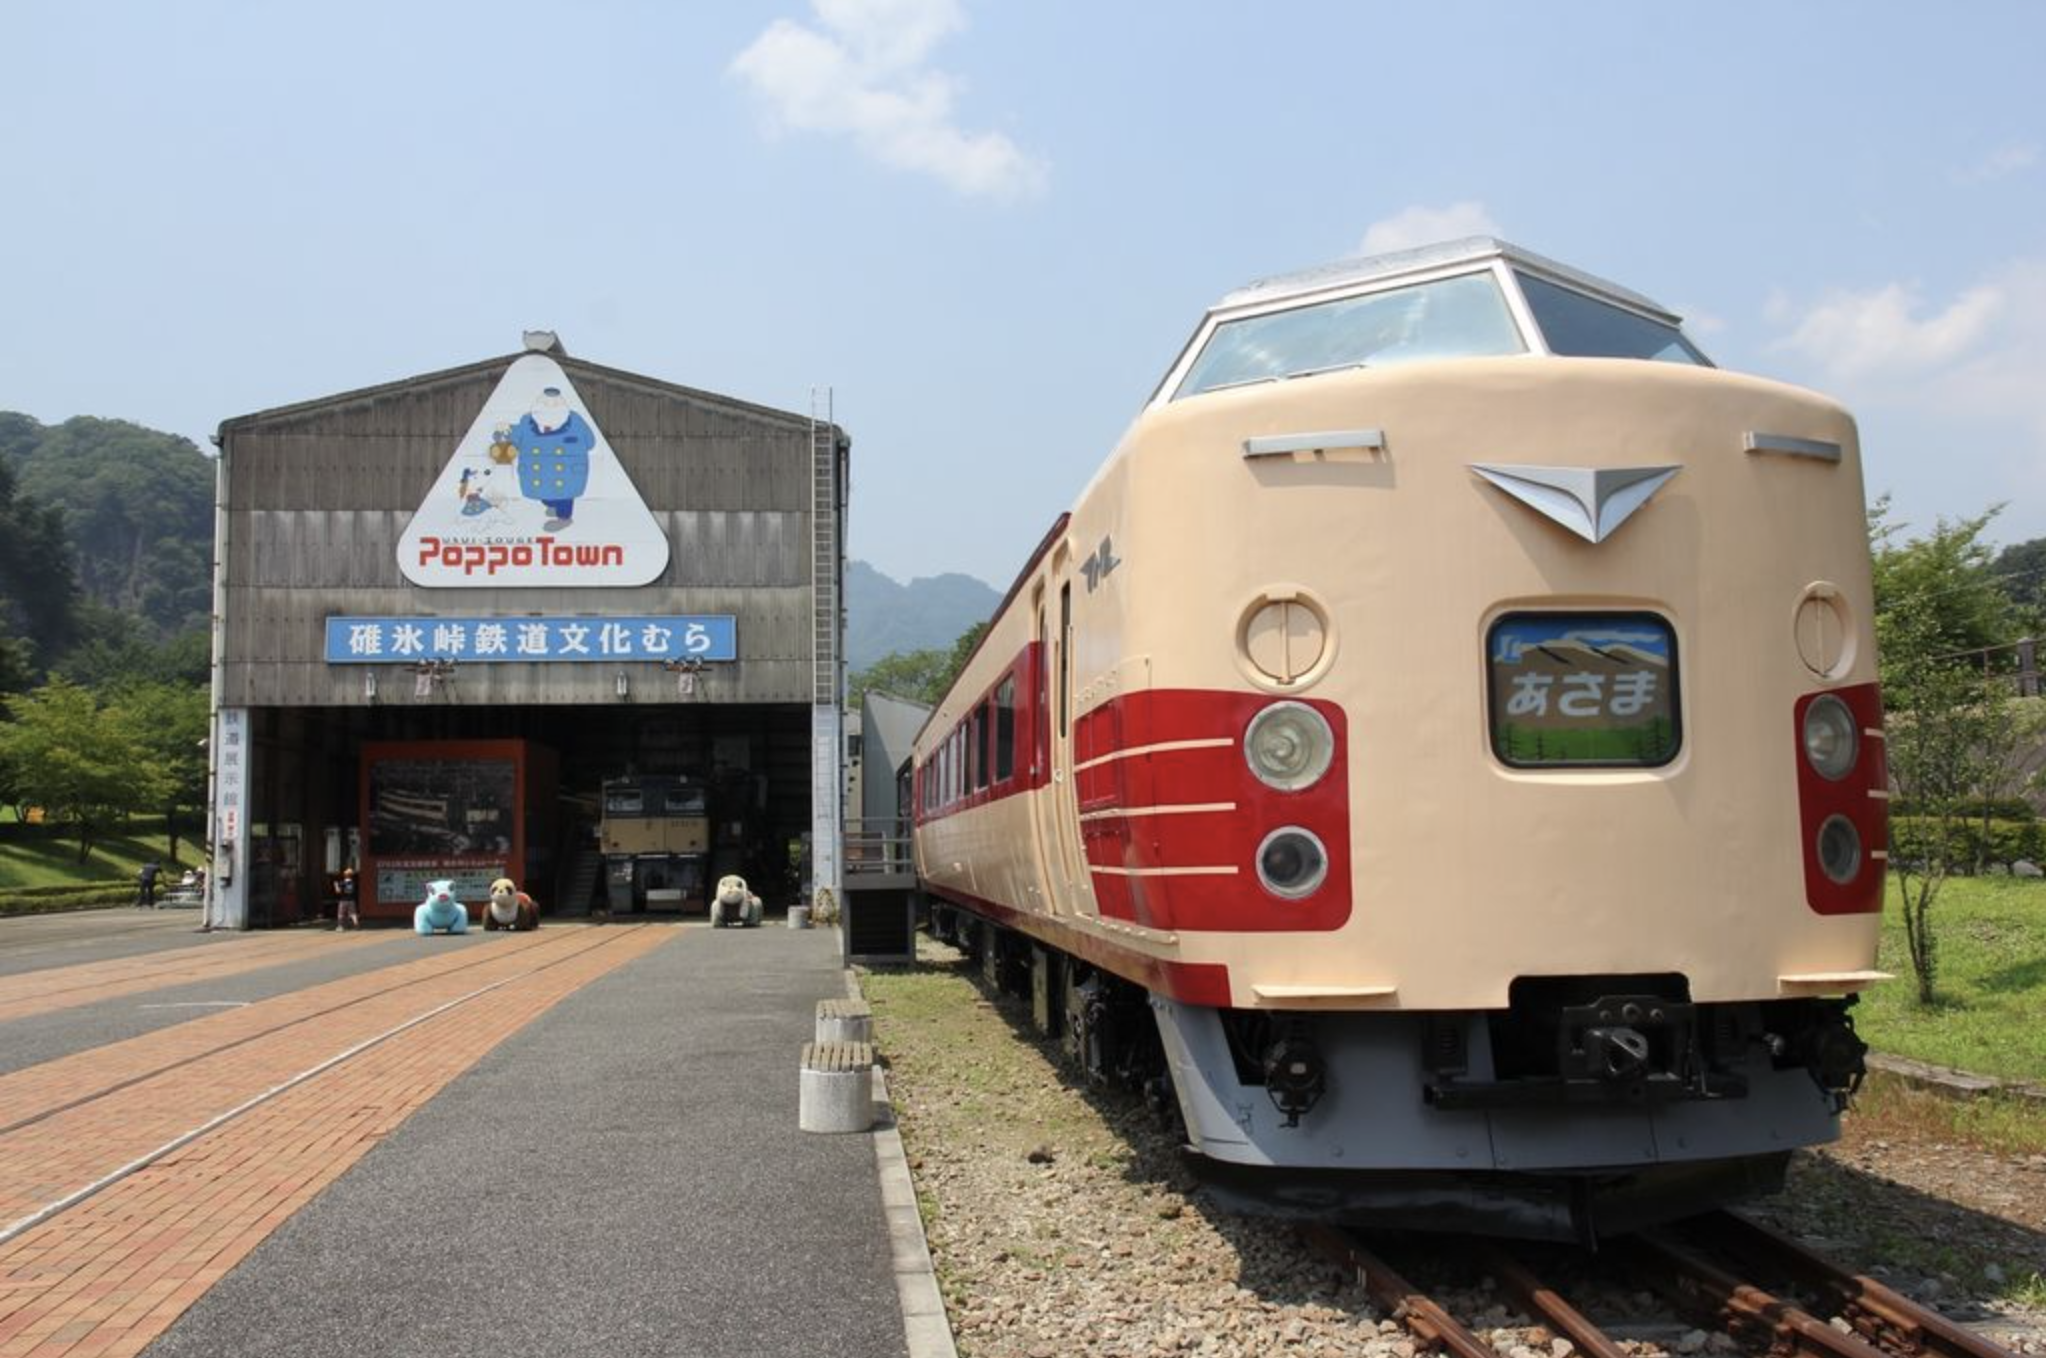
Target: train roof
(1347, 273)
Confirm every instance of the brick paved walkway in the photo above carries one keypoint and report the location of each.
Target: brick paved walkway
(43, 992)
(109, 1274)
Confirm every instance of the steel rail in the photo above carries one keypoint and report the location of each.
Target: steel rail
(1884, 1315)
(1539, 1299)
(1398, 1298)
(1748, 1312)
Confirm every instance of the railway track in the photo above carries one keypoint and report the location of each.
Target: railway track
(1723, 1272)
(72, 1135)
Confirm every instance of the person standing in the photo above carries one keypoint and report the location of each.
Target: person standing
(145, 899)
(344, 902)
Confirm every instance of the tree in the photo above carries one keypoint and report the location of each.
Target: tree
(1943, 628)
(921, 676)
(85, 768)
(2022, 570)
(169, 720)
(38, 580)
(116, 649)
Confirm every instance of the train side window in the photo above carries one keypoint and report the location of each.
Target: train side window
(1005, 729)
(982, 729)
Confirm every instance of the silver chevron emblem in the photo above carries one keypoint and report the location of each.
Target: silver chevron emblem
(1590, 502)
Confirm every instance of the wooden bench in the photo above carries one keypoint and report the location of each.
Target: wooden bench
(845, 1021)
(837, 1087)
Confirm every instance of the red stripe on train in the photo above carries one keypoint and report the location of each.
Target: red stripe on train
(1819, 799)
(1151, 845)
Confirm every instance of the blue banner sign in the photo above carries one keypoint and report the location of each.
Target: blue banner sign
(383, 641)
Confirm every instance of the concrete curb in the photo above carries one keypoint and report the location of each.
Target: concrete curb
(1951, 1083)
(925, 1329)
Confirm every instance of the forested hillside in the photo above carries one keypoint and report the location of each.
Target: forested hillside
(106, 570)
(138, 505)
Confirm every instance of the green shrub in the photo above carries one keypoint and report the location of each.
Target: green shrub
(1911, 839)
(2000, 808)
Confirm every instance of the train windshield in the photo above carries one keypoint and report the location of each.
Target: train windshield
(1464, 317)
(1578, 325)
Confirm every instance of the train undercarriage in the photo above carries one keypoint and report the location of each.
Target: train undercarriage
(1589, 1107)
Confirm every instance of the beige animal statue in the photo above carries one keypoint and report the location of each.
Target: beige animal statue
(510, 908)
(735, 904)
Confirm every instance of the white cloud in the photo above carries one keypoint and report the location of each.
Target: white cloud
(2005, 160)
(861, 72)
(1427, 226)
(1952, 410)
(1856, 334)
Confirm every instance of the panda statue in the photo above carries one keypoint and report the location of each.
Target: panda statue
(440, 911)
(734, 904)
(510, 908)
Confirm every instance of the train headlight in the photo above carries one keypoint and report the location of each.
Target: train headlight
(1839, 849)
(1291, 863)
(1289, 746)
(1831, 741)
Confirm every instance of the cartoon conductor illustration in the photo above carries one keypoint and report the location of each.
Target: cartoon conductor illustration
(553, 445)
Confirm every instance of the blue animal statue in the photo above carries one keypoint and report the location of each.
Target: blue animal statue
(440, 910)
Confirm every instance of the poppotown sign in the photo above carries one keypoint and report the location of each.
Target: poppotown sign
(533, 496)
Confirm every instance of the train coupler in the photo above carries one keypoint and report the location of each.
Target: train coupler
(1296, 1074)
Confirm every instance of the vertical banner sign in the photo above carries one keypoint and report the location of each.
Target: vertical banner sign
(228, 884)
(533, 497)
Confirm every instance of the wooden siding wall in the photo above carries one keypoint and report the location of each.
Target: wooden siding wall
(319, 496)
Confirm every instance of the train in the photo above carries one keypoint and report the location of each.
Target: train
(655, 836)
(1439, 756)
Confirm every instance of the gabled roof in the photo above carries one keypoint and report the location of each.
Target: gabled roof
(491, 367)
(890, 724)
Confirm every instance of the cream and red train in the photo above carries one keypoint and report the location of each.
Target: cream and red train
(1442, 746)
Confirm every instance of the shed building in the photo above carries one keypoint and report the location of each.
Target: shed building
(465, 621)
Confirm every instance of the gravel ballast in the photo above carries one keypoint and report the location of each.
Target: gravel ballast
(1062, 1219)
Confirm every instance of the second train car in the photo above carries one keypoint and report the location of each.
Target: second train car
(1440, 752)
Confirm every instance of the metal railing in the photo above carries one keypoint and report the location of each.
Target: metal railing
(879, 848)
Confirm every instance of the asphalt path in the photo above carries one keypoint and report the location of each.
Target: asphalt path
(70, 937)
(622, 1177)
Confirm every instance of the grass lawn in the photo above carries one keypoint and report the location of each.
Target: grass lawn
(40, 856)
(1990, 1011)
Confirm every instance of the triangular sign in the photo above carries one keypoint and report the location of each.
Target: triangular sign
(532, 497)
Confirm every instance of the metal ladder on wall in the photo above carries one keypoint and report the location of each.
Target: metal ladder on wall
(827, 726)
(824, 548)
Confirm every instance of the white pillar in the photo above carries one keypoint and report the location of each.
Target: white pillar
(227, 885)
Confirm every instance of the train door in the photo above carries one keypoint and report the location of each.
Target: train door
(1039, 758)
(1070, 883)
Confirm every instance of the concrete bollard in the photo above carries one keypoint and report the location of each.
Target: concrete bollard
(837, 1090)
(799, 917)
(845, 1021)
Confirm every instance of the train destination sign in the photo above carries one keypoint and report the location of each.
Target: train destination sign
(383, 641)
(1583, 689)
(533, 496)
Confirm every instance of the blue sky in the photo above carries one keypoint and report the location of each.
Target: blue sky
(989, 226)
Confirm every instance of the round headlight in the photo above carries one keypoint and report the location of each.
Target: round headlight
(1289, 746)
(1839, 849)
(1291, 863)
(1831, 741)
